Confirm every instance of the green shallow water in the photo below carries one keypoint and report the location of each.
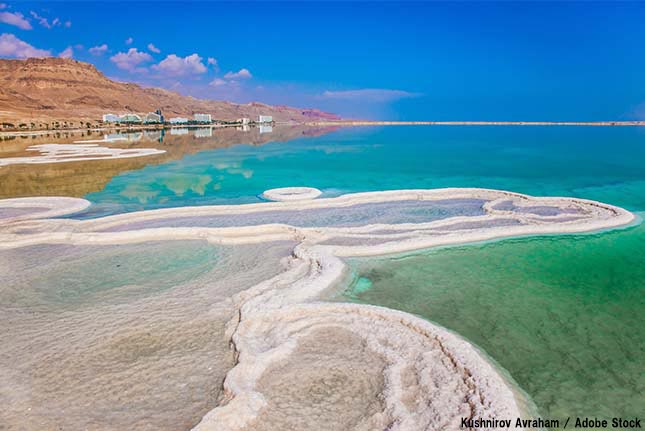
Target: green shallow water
(564, 315)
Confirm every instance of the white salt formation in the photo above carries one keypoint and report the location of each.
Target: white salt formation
(301, 363)
(291, 194)
(58, 153)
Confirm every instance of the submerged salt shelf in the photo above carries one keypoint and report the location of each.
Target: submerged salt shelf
(120, 337)
(413, 211)
(287, 343)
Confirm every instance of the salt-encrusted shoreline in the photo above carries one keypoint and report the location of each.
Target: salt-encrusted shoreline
(451, 379)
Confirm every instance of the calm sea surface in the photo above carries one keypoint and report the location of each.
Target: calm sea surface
(565, 315)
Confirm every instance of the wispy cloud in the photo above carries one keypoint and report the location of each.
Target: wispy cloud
(153, 48)
(15, 18)
(131, 60)
(369, 94)
(175, 66)
(218, 82)
(99, 49)
(240, 74)
(67, 53)
(3, 5)
(11, 46)
(44, 22)
(129, 41)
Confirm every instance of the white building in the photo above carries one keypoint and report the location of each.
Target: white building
(178, 120)
(202, 118)
(152, 118)
(130, 118)
(110, 118)
(243, 121)
(265, 119)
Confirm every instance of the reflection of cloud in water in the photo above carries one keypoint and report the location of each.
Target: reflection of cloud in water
(234, 168)
(140, 192)
(179, 184)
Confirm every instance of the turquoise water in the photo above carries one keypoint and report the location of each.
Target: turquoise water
(563, 314)
(599, 163)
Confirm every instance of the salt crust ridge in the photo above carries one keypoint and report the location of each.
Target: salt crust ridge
(285, 194)
(452, 378)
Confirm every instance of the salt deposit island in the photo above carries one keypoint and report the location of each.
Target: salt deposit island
(289, 358)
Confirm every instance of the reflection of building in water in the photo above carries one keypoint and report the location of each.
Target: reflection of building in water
(243, 121)
(179, 131)
(265, 119)
(153, 135)
(178, 120)
(203, 132)
(266, 129)
(244, 128)
(121, 136)
(202, 118)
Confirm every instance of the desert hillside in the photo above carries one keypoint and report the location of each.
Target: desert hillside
(55, 89)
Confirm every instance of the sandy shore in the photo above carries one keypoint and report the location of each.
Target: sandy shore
(429, 378)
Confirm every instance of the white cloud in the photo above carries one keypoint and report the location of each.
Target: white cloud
(212, 61)
(43, 21)
(67, 53)
(240, 74)
(131, 60)
(99, 49)
(16, 19)
(153, 48)
(129, 41)
(218, 82)
(173, 65)
(368, 94)
(11, 46)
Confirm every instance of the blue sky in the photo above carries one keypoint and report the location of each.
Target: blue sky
(406, 61)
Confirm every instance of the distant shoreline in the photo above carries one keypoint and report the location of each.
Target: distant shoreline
(477, 123)
(348, 123)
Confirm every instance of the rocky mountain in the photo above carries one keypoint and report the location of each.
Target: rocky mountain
(56, 89)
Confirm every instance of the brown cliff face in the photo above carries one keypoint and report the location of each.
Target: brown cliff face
(56, 89)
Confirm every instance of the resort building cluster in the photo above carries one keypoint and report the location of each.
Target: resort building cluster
(197, 119)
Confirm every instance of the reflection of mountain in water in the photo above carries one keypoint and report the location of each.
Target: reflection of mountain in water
(79, 178)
